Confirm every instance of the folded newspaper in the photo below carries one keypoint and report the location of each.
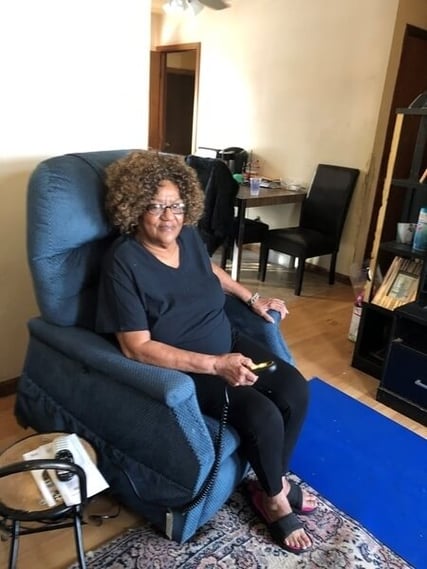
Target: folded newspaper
(55, 491)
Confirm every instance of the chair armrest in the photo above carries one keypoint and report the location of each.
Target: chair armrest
(170, 387)
(266, 333)
(119, 399)
(119, 405)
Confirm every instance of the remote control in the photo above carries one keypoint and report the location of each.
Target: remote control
(262, 366)
(63, 453)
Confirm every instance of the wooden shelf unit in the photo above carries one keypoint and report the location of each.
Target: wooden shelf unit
(403, 196)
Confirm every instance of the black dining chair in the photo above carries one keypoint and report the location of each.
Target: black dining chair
(254, 231)
(322, 217)
(218, 226)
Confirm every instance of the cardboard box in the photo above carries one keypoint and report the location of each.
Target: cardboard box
(354, 323)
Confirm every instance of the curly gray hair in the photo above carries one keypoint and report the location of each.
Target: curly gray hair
(133, 181)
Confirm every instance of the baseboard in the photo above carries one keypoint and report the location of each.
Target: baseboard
(316, 269)
(8, 387)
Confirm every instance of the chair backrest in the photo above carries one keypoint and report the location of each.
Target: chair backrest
(67, 234)
(328, 199)
(220, 189)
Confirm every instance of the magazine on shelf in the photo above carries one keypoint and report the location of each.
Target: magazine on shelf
(55, 491)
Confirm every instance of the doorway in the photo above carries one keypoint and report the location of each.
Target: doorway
(174, 79)
(410, 82)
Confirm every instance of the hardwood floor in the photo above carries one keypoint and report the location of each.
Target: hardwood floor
(316, 330)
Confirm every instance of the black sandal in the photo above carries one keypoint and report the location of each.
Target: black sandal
(282, 528)
(295, 497)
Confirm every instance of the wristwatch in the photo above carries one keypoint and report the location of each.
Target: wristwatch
(253, 299)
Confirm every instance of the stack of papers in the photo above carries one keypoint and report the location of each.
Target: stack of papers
(293, 186)
(53, 490)
(270, 182)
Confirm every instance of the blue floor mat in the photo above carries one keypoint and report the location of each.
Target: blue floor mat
(368, 466)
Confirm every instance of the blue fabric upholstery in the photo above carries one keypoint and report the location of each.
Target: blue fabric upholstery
(154, 446)
(67, 234)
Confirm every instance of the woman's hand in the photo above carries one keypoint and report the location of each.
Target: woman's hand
(235, 369)
(263, 305)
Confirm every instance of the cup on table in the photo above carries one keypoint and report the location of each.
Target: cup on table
(405, 233)
(254, 184)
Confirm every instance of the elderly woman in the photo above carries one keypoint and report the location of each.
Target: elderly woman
(163, 298)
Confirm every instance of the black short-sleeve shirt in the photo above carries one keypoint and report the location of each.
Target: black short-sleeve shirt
(182, 307)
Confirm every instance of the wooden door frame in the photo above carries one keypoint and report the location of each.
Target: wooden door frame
(157, 92)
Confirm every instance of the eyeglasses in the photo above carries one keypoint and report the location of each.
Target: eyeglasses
(158, 209)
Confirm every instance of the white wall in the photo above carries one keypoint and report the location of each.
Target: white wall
(74, 77)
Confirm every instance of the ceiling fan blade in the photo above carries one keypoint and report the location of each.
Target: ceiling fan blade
(196, 6)
(215, 4)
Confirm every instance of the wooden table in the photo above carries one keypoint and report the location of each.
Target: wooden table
(21, 500)
(28, 497)
(244, 200)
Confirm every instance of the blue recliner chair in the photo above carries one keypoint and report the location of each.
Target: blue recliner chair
(154, 446)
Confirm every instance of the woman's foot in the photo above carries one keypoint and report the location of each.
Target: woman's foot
(283, 524)
(278, 507)
(302, 502)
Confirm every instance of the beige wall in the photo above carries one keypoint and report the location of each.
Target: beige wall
(299, 82)
(74, 77)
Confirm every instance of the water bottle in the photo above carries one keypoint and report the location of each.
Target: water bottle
(420, 235)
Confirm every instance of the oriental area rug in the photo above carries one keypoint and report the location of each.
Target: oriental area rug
(236, 538)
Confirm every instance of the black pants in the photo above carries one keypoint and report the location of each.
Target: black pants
(268, 416)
